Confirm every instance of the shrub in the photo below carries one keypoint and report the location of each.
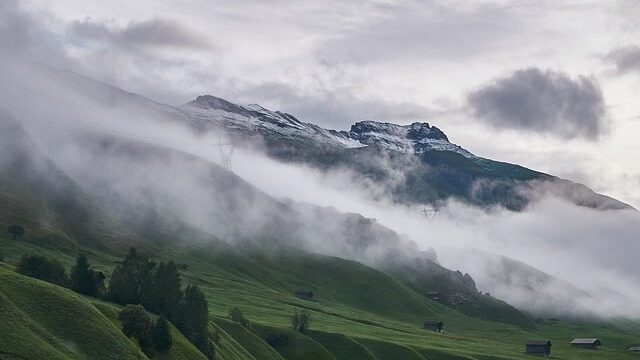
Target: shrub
(237, 316)
(300, 321)
(16, 231)
(277, 339)
(137, 324)
(40, 267)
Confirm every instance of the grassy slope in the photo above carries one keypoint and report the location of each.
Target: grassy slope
(44, 321)
(55, 322)
(348, 316)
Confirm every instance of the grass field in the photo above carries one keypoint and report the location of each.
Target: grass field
(358, 313)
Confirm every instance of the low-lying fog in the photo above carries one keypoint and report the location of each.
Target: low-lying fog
(596, 251)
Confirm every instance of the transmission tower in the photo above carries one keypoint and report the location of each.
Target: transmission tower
(226, 149)
(430, 214)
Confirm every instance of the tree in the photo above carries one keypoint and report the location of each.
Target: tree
(237, 316)
(300, 321)
(161, 336)
(195, 319)
(16, 231)
(40, 267)
(83, 279)
(166, 284)
(137, 324)
(131, 280)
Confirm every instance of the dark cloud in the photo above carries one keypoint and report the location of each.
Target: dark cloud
(149, 33)
(626, 59)
(546, 102)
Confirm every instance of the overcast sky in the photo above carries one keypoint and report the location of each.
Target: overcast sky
(552, 85)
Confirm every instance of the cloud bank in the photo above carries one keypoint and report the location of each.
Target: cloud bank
(149, 33)
(626, 59)
(543, 101)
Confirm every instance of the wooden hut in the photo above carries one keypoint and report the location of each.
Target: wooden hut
(634, 349)
(304, 294)
(588, 343)
(538, 347)
(434, 295)
(433, 325)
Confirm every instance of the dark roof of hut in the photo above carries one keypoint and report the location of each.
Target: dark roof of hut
(539, 342)
(586, 341)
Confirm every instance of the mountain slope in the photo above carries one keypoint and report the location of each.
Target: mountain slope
(434, 169)
(34, 192)
(431, 167)
(152, 207)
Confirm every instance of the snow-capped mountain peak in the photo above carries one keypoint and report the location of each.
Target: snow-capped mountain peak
(417, 137)
(414, 138)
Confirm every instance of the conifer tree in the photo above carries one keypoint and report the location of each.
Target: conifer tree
(161, 335)
(168, 294)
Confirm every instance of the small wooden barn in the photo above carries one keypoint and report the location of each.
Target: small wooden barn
(433, 325)
(634, 349)
(588, 343)
(304, 294)
(538, 347)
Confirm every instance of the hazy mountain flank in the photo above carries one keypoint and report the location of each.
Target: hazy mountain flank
(78, 185)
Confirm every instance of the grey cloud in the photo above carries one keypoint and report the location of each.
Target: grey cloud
(546, 102)
(424, 30)
(23, 37)
(150, 33)
(626, 59)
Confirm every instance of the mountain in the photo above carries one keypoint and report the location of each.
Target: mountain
(88, 189)
(432, 169)
(414, 164)
(134, 186)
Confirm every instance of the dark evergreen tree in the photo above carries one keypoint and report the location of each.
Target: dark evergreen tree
(131, 281)
(194, 320)
(168, 295)
(40, 267)
(137, 324)
(83, 279)
(16, 231)
(161, 335)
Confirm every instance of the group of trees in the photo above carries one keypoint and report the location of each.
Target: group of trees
(152, 337)
(143, 284)
(39, 267)
(83, 279)
(157, 288)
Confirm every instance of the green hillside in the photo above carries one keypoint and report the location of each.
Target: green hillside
(344, 324)
(358, 312)
(45, 321)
